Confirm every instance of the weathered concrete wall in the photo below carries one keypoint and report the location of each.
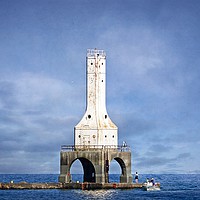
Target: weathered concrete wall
(95, 165)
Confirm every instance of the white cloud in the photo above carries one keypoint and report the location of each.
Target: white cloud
(145, 60)
(40, 119)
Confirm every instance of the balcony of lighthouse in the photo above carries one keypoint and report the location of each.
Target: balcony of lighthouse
(93, 52)
(118, 148)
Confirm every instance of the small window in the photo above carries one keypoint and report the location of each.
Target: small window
(102, 81)
(105, 116)
(91, 63)
(89, 116)
(113, 136)
(102, 63)
(79, 136)
(105, 136)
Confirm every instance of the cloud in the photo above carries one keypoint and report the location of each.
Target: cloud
(180, 138)
(158, 161)
(146, 70)
(7, 97)
(158, 148)
(130, 126)
(26, 162)
(36, 118)
(184, 156)
(152, 78)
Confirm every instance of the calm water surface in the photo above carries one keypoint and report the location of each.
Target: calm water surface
(179, 186)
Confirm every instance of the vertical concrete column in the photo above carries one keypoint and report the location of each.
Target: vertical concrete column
(126, 177)
(65, 175)
(98, 161)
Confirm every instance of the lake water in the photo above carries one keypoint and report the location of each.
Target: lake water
(173, 186)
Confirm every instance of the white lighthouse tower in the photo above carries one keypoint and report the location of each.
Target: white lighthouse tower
(95, 136)
(96, 128)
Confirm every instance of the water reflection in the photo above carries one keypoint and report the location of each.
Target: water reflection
(97, 194)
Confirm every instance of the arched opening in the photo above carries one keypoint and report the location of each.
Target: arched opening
(117, 168)
(114, 171)
(88, 171)
(76, 171)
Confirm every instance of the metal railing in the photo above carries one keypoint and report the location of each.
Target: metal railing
(93, 52)
(95, 148)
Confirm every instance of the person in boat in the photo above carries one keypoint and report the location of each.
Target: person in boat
(153, 181)
(136, 177)
(148, 182)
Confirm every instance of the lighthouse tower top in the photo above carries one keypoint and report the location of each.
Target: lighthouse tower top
(95, 52)
(96, 127)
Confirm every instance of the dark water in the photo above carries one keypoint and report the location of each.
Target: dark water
(179, 186)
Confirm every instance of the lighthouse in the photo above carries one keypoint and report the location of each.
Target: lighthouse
(95, 136)
(96, 127)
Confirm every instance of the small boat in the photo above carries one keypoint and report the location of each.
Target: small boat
(149, 186)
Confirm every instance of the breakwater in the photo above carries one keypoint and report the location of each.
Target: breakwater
(83, 186)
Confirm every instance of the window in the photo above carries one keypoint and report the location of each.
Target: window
(89, 116)
(105, 116)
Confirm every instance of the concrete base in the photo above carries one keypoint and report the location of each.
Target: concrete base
(95, 164)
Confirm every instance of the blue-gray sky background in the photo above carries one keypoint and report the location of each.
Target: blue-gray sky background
(153, 73)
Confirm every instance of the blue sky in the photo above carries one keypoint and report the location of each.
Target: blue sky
(153, 72)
